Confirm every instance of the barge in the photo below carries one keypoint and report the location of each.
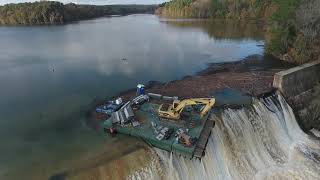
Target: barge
(144, 117)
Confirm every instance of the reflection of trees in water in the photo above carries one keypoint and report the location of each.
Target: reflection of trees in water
(221, 29)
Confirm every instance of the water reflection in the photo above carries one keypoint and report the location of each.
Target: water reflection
(221, 29)
(49, 76)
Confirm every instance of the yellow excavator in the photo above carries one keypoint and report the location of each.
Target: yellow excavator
(173, 111)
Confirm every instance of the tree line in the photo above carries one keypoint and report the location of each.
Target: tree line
(292, 26)
(51, 12)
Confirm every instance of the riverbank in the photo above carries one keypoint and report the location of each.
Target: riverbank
(292, 28)
(252, 75)
(55, 13)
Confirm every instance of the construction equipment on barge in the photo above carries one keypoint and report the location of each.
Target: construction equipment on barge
(110, 107)
(141, 118)
(174, 110)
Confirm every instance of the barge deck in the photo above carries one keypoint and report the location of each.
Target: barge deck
(146, 118)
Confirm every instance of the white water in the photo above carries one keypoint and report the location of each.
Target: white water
(261, 142)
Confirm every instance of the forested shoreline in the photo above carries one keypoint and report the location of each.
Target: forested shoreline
(51, 12)
(292, 26)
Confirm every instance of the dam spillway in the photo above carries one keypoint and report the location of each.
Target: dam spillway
(262, 141)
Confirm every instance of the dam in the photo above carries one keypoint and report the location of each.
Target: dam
(260, 141)
(298, 86)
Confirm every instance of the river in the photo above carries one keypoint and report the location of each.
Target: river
(49, 75)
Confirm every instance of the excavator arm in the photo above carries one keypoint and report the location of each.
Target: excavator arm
(174, 111)
(207, 107)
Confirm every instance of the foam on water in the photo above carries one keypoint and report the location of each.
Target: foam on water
(260, 142)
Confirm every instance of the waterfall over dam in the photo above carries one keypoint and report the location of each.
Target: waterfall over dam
(262, 141)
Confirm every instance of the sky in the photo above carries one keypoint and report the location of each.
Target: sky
(97, 2)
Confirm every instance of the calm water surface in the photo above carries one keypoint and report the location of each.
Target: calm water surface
(49, 75)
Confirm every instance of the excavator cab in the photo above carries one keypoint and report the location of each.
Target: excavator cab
(175, 103)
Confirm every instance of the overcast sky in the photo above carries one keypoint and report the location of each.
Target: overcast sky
(98, 2)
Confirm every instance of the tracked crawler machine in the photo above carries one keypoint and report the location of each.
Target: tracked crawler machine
(174, 110)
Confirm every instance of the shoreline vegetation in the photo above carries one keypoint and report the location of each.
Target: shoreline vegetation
(292, 27)
(55, 13)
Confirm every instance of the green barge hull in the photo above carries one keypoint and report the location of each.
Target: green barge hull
(198, 128)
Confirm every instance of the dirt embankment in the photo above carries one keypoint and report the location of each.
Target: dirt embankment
(253, 75)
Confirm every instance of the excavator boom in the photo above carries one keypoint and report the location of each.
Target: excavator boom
(173, 111)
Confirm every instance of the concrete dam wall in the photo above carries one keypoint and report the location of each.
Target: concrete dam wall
(298, 86)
